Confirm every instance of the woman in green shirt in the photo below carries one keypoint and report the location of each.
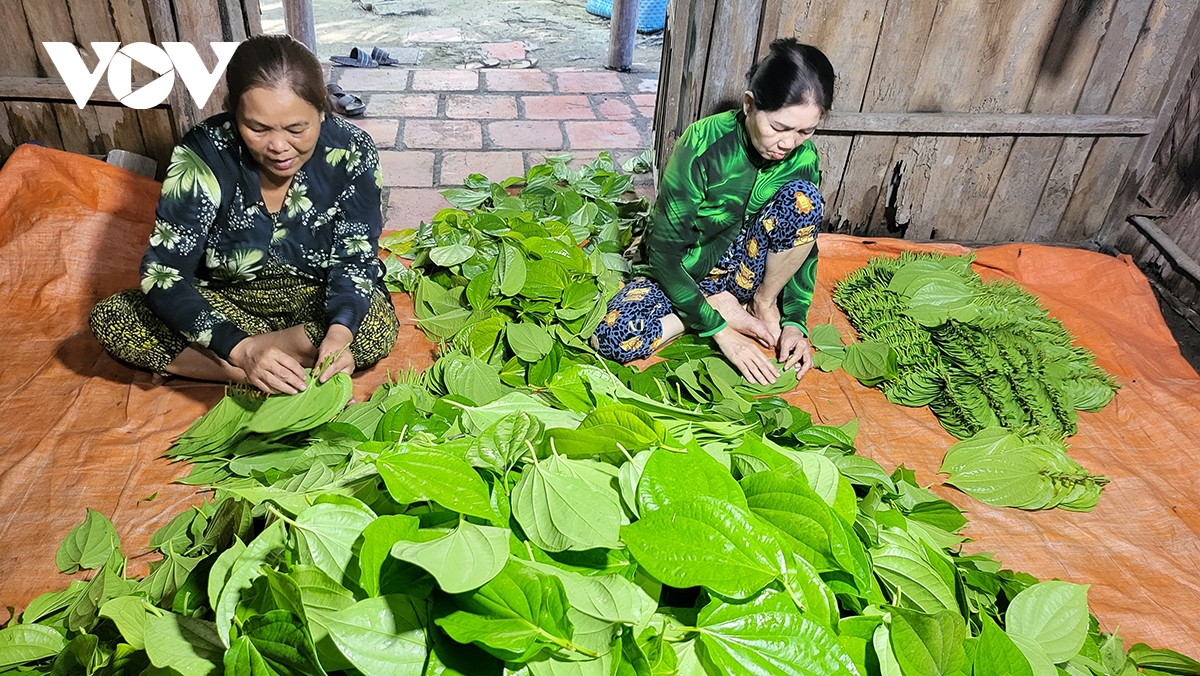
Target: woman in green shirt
(731, 250)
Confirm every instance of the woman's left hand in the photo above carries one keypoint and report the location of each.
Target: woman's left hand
(794, 349)
(337, 342)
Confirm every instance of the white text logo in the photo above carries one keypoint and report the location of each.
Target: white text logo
(166, 61)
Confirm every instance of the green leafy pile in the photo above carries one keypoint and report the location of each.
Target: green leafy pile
(979, 354)
(1027, 471)
(581, 526)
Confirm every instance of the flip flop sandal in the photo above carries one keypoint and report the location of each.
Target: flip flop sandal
(345, 104)
(357, 59)
(383, 58)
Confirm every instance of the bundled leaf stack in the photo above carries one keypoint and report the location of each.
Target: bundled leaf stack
(572, 526)
(979, 354)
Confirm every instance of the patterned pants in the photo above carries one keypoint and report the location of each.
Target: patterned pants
(632, 329)
(132, 333)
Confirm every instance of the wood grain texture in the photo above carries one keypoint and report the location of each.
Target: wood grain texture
(158, 137)
(18, 57)
(80, 129)
(1061, 77)
(1138, 92)
(731, 54)
(7, 144)
(987, 124)
(121, 129)
(866, 183)
(199, 22)
(33, 121)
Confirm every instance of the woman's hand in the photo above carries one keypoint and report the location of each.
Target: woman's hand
(267, 366)
(794, 349)
(336, 347)
(743, 353)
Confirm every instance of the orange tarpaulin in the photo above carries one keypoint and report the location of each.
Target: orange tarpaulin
(80, 430)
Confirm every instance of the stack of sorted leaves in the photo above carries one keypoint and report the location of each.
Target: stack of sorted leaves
(979, 354)
(1028, 471)
(476, 521)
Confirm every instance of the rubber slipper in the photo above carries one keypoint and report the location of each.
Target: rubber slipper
(344, 103)
(383, 58)
(357, 59)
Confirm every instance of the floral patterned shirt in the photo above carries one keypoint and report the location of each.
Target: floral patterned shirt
(212, 228)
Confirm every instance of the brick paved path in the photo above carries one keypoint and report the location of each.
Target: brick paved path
(433, 127)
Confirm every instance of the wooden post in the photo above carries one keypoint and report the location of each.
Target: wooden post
(299, 20)
(621, 34)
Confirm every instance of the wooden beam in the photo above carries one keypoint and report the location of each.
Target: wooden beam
(622, 33)
(298, 17)
(986, 124)
(1173, 252)
(53, 89)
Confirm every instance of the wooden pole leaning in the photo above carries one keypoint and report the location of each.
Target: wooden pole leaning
(621, 34)
(298, 15)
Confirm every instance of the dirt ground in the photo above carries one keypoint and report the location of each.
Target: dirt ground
(445, 34)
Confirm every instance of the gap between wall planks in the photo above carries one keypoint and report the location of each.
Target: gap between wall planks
(1063, 57)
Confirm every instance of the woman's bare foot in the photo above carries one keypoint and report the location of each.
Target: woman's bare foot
(741, 321)
(767, 311)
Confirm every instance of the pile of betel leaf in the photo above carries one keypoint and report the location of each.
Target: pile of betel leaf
(499, 517)
(979, 354)
(988, 360)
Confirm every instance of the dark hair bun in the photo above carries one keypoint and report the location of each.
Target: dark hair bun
(792, 74)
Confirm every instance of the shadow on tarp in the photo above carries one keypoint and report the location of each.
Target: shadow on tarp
(81, 430)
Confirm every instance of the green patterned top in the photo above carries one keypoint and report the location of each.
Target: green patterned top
(713, 184)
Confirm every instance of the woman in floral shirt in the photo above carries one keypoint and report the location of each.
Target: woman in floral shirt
(263, 257)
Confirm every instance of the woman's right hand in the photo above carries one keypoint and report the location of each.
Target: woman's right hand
(268, 367)
(743, 352)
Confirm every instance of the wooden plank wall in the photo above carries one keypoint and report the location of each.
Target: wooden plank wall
(100, 127)
(1168, 185)
(1048, 57)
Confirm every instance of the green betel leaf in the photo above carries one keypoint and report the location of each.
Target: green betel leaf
(378, 538)
(785, 500)
(825, 337)
(514, 616)
(831, 360)
(499, 446)
(997, 655)
(413, 474)
(510, 270)
(129, 614)
(464, 198)
(326, 533)
(610, 598)
(1013, 479)
(282, 642)
(529, 342)
(381, 636)
(706, 542)
(444, 325)
(765, 636)
(1052, 614)
(242, 573)
(1035, 655)
(903, 563)
(28, 643)
(450, 255)
(931, 645)
(671, 476)
(467, 558)
(88, 545)
(561, 510)
(472, 378)
(870, 363)
(188, 645)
